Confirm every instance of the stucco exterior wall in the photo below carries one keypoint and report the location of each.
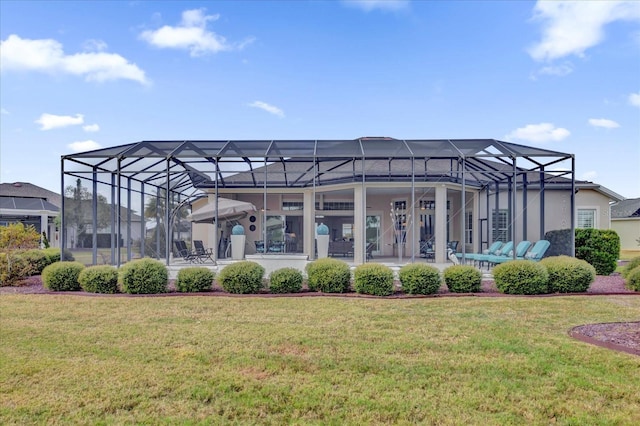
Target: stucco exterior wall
(628, 230)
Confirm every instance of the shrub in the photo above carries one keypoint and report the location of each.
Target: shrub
(521, 277)
(599, 247)
(99, 279)
(16, 236)
(38, 259)
(328, 276)
(568, 274)
(419, 278)
(463, 279)
(13, 267)
(285, 280)
(633, 279)
(373, 278)
(194, 279)
(633, 263)
(241, 277)
(53, 255)
(62, 276)
(143, 276)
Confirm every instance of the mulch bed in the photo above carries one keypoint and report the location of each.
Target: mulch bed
(623, 336)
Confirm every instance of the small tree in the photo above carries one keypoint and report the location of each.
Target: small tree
(19, 237)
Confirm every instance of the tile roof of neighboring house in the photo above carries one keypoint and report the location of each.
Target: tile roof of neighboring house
(626, 208)
(28, 190)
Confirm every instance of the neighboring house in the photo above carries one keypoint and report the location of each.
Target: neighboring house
(31, 205)
(625, 220)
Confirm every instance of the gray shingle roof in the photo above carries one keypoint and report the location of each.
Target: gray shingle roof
(626, 208)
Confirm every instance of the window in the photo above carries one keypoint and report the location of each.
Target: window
(586, 218)
(292, 205)
(469, 227)
(500, 229)
(338, 205)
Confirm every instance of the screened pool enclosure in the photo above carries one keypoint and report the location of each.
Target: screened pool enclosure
(380, 197)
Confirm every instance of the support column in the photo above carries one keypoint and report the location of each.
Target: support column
(358, 226)
(441, 224)
(475, 210)
(309, 224)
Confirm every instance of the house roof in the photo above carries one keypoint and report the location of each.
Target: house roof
(626, 208)
(28, 190)
(27, 203)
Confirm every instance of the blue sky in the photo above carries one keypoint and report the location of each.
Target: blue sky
(83, 75)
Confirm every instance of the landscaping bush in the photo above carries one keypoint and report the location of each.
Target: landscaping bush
(194, 279)
(13, 267)
(419, 278)
(568, 274)
(633, 279)
(54, 255)
(328, 276)
(521, 277)
(99, 279)
(143, 276)
(633, 264)
(599, 247)
(462, 279)
(373, 278)
(241, 277)
(62, 276)
(285, 280)
(38, 259)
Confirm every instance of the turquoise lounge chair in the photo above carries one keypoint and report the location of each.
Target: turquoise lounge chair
(506, 248)
(493, 248)
(537, 251)
(521, 250)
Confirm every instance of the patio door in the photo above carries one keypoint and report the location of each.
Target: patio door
(373, 233)
(275, 234)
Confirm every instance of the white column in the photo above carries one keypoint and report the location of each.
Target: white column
(358, 226)
(309, 224)
(441, 224)
(44, 221)
(477, 246)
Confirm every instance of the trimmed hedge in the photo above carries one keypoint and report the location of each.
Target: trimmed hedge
(143, 276)
(13, 267)
(633, 264)
(241, 277)
(38, 260)
(599, 247)
(285, 280)
(194, 279)
(633, 279)
(568, 274)
(62, 276)
(99, 279)
(419, 278)
(328, 276)
(373, 278)
(463, 279)
(521, 277)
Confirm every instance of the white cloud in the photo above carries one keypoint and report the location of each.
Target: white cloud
(603, 122)
(4, 111)
(51, 121)
(191, 34)
(93, 45)
(589, 176)
(47, 55)
(266, 107)
(558, 70)
(81, 146)
(91, 128)
(369, 5)
(542, 132)
(571, 27)
(634, 99)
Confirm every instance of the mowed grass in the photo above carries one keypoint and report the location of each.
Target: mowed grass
(213, 360)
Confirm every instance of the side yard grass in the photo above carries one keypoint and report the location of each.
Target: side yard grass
(193, 360)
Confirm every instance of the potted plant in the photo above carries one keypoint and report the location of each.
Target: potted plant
(237, 242)
(322, 240)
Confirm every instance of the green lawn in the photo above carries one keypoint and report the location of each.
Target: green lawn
(314, 360)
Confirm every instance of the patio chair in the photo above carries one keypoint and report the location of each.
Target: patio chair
(259, 246)
(184, 252)
(521, 250)
(481, 258)
(202, 253)
(426, 250)
(537, 251)
(369, 251)
(493, 248)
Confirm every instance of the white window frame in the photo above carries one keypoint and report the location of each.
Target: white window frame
(596, 216)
